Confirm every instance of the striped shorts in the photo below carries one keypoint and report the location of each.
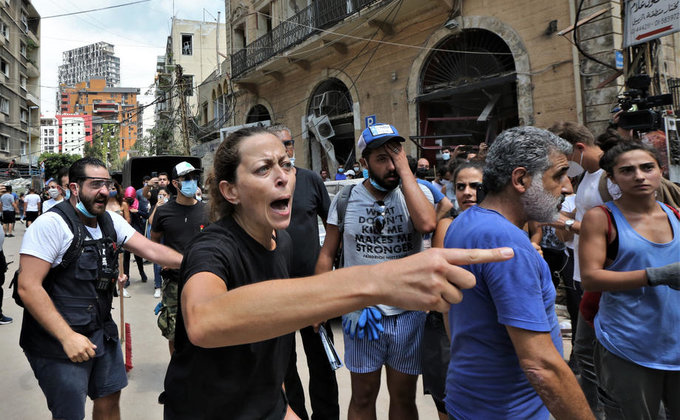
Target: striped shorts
(398, 347)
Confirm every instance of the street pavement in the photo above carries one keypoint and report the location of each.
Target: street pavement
(21, 398)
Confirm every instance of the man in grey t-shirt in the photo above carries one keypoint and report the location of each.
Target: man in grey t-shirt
(384, 219)
(9, 209)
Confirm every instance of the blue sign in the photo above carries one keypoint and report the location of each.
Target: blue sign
(619, 59)
(370, 120)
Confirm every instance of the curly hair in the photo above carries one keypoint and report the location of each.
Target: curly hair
(527, 147)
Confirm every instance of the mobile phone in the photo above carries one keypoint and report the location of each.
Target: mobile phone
(154, 174)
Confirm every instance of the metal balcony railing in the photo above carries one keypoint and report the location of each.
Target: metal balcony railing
(319, 15)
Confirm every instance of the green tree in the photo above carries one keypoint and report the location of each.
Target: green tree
(160, 140)
(56, 161)
(105, 146)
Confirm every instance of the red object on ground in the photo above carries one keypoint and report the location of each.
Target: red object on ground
(128, 348)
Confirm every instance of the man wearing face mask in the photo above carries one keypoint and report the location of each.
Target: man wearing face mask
(384, 219)
(68, 270)
(176, 223)
(340, 176)
(57, 190)
(55, 195)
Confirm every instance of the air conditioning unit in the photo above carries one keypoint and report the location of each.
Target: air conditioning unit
(321, 127)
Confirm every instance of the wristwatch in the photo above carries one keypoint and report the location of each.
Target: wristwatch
(568, 224)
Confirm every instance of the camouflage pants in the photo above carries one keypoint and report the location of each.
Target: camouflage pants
(167, 316)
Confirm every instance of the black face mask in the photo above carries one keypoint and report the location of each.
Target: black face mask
(422, 173)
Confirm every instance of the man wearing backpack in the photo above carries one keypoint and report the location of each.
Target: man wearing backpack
(383, 220)
(68, 270)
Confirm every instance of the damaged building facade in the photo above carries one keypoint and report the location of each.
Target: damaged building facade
(444, 72)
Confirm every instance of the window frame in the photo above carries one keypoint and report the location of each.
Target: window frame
(191, 46)
(5, 64)
(7, 101)
(5, 138)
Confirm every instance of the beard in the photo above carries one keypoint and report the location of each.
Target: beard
(540, 205)
(88, 203)
(388, 185)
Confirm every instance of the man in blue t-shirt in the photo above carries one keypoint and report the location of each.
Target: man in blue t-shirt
(506, 349)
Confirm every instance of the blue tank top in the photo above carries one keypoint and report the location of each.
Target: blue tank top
(642, 325)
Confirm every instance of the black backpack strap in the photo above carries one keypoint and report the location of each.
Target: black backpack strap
(106, 225)
(68, 213)
(343, 199)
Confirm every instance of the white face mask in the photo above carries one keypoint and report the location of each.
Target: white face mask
(53, 192)
(575, 169)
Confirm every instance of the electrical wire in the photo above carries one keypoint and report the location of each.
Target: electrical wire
(578, 45)
(91, 10)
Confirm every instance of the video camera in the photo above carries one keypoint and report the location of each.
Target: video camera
(636, 104)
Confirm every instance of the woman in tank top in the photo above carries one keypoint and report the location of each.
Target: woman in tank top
(630, 251)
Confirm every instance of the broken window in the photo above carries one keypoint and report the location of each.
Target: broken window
(468, 92)
(187, 44)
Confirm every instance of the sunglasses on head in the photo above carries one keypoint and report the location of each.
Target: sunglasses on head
(379, 221)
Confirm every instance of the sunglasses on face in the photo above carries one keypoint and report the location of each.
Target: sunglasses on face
(379, 221)
(289, 143)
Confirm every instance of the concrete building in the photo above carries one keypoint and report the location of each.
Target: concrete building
(444, 72)
(195, 48)
(106, 106)
(94, 61)
(49, 135)
(75, 130)
(19, 81)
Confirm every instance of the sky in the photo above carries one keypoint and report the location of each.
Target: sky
(138, 33)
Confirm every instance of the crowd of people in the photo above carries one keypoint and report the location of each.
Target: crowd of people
(452, 277)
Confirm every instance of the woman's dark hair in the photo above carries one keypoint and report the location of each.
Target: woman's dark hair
(608, 139)
(226, 161)
(611, 156)
(474, 164)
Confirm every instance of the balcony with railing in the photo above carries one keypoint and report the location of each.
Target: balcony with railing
(290, 32)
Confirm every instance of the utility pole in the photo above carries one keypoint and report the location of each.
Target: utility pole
(30, 156)
(181, 94)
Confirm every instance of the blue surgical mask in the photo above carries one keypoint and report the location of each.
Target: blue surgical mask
(67, 194)
(81, 208)
(377, 186)
(365, 173)
(340, 170)
(189, 188)
(113, 193)
(446, 156)
(292, 161)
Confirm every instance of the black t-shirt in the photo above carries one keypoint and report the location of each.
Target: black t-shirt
(179, 224)
(235, 382)
(309, 200)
